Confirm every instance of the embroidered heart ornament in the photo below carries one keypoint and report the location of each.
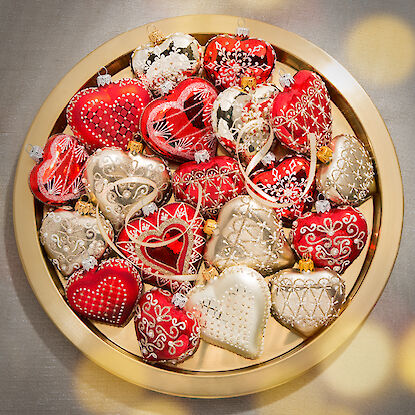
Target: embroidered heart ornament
(57, 179)
(109, 115)
(165, 332)
(300, 109)
(229, 58)
(179, 124)
(107, 293)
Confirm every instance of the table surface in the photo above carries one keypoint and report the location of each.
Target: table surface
(41, 372)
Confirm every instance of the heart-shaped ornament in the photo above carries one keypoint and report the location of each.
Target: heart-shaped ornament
(179, 124)
(106, 293)
(57, 178)
(165, 332)
(182, 256)
(107, 116)
(70, 237)
(333, 239)
(233, 310)
(167, 62)
(228, 58)
(248, 233)
(348, 176)
(107, 166)
(302, 108)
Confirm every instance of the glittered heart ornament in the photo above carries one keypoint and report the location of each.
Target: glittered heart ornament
(233, 108)
(170, 60)
(233, 310)
(182, 256)
(165, 332)
(112, 178)
(346, 175)
(333, 239)
(285, 181)
(70, 237)
(109, 115)
(179, 124)
(57, 178)
(306, 300)
(228, 58)
(247, 233)
(219, 178)
(302, 108)
(106, 293)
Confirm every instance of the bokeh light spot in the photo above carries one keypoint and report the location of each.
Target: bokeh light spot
(406, 359)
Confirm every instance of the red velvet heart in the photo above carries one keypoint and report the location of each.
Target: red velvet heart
(303, 107)
(107, 293)
(182, 256)
(220, 179)
(107, 116)
(229, 58)
(179, 124)
(165, 332)
(333, 239)
(286, 180)
(57, 179)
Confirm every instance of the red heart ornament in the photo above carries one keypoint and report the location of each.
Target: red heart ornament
(301, 109)
(107, 293)
(109, 115)
(165, 332)
(179, 124)
(229, 58)
(219, 178)
(285, 181)
(57, 179)
(333, 239)
(182, 256)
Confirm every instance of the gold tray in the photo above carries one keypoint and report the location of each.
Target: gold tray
(213, 372)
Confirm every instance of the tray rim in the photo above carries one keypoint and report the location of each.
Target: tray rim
(245, 380)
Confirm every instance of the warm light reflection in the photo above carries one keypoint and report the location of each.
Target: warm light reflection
(406, 358)
(365, 366)
(381, 49)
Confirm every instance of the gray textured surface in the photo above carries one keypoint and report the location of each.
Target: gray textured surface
(41, 372)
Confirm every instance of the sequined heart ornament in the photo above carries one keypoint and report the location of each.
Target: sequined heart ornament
(228, 58)
(247, 233)
(57, 178)
(306, 299)
(179, 124)
(181, 256)
(302, 108)
(165, 332)
(167, 61)
(233, 310)
(347, 175)
(108, 115)
(333, 239)
(106, 293)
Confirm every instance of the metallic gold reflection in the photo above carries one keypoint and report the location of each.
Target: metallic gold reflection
(381, 48)
(406, 359)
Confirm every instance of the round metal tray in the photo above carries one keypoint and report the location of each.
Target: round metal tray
(214, 372)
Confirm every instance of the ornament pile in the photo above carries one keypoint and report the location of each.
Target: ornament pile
(200, 177)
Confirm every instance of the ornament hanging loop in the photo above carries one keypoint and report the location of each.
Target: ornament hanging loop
(248, 83)
(322, 205)
(103, 79)
(84, 205)
(135, 147)
(241, 29)
(154, 35)
(286, 79)
(35, 152)
(306, 264)
(325, 154)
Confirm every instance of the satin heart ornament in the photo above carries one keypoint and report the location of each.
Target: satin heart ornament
(233, 310)
(300, 109)
(165, 332)
(228, 58)
(112, 178)
(333, 239)
(70, 237)
(219, 177)
(181, 256)
(179, 124)
(106, 293)
(167, 62)
(57, 178)
(109, 115)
